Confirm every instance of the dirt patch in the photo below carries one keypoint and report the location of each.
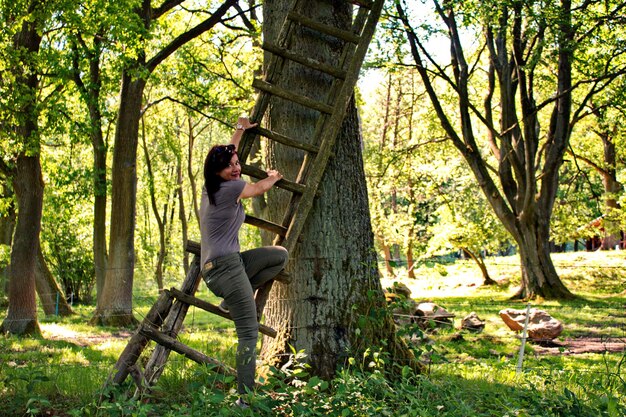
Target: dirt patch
(579, 345)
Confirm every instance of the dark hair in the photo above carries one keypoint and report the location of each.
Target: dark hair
(216, 160)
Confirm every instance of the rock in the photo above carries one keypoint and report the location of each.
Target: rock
(429, 314)
(541, 326)
(473, 323)
(400, 289)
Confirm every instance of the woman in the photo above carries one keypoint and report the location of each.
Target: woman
(229, 274)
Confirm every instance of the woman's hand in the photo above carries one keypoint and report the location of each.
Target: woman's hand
(243, 123)
(274, 176)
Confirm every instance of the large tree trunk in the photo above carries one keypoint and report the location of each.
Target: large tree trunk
(336, 280)
(50, 293)
(116, 301)
(27, 184)
(612, 187)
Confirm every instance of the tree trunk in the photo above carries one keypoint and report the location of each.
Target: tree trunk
(481, 264)
(27, 184)
(7, 226)
(335, 307)
(50, 293)
(612, 188)
(115, 305)
(539, 277)
(182, 213)
(387, 255)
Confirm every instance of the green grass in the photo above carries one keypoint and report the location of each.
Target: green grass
(63, 372)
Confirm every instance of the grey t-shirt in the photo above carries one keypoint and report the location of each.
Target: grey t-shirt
(220, 223)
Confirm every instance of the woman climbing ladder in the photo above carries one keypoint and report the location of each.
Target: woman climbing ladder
(229, 273)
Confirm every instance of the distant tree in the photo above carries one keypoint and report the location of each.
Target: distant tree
(526, 85)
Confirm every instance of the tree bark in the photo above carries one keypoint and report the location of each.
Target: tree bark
(28, 185)
(114, 306)
(90, 92)
(182, 213)
(336, 282)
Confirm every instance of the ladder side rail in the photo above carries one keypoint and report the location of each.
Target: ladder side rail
(138, 342)
(173, 323)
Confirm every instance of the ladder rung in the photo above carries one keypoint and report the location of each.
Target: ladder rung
(287, 95)
(254, 172)
(320, 27)
(194, 301)
(173, 344)
(306, 61)
(267, 225)
(277, 137)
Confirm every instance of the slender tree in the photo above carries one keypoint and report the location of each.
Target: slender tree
(115, 303)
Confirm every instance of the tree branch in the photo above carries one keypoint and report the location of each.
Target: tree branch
(191, 34)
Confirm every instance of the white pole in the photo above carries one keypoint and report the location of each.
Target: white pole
(518, 370)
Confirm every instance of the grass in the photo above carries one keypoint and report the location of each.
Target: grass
(469, 374)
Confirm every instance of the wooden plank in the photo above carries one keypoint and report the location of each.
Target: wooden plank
(172, 344)
(304, 60)
(288, 95)
(266, 225)
(257, 173)
(285, 140)
(321, 27)
(206, 306)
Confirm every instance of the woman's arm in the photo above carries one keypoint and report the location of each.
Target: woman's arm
(243, 123)
(261, 187)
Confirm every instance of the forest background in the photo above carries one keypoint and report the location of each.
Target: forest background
(424, 200)
(86, 78)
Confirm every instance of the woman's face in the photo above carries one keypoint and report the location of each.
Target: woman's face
(232, 171)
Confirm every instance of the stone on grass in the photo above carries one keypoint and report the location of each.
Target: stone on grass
(429, 314)
(473, 323)
(541, 325)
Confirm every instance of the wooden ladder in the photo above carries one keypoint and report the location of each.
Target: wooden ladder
(331, 113)
(165, 319)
